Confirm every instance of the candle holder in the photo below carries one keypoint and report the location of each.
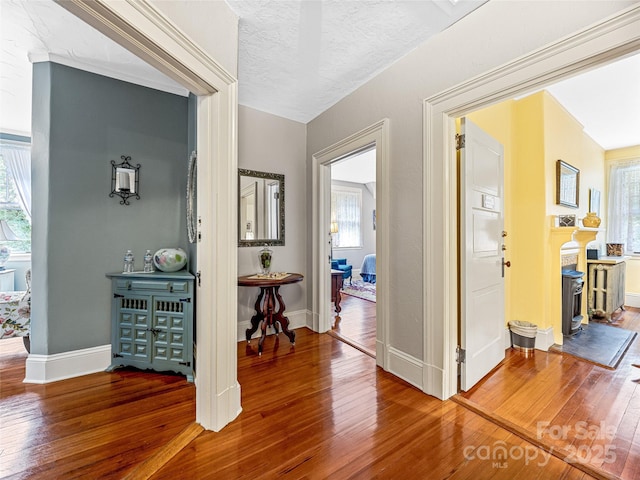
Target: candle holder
(125, 180)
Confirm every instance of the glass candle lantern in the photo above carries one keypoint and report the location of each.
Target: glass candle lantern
(265, 256)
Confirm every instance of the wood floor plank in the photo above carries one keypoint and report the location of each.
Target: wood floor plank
(319, 409)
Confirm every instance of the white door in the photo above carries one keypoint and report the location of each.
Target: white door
(481, 256)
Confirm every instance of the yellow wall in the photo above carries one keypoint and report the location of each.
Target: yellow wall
(536, 131)
(633, 264)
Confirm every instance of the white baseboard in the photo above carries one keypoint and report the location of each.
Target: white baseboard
(632, 300)
(60, 366)
(433, 382)
(297, 319)
(405, 366)
(544, 339)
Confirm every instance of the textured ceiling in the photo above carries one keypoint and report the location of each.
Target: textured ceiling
(298, 58)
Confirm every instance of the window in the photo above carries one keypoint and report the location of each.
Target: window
(624, 205)
(346, 210)
(15, 166)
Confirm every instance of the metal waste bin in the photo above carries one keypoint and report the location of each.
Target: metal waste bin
(523, 335)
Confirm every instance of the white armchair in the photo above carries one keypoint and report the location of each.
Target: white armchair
(15, 313)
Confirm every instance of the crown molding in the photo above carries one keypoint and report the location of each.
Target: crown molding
(39, 57)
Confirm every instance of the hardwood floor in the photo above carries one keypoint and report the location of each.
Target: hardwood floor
(356, 324)
(319, 409)
(591, 412)
(95, 426)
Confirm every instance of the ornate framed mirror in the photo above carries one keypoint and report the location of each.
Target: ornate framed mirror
(192, 177)
(260, 208)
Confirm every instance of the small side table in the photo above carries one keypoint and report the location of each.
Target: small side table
(269, 305)
(7, 280)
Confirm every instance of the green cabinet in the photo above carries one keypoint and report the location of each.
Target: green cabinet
(152, 321)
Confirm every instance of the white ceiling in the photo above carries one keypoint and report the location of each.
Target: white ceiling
(296, 58)
(606, 101)
(42, 30)
(359, 168)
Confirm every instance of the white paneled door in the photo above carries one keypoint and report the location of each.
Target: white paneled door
(481, 254)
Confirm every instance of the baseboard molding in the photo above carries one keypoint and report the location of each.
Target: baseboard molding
(297, 319)
(544, 339)
(632, 300)
(60, 366)
(405, 366)
(433, 381)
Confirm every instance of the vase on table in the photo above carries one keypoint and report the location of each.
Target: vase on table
(591, 220)
(265, 256)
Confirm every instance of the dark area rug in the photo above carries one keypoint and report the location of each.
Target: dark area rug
(600, 344)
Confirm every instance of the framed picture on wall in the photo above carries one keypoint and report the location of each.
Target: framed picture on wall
(594, 201)
(567, 184)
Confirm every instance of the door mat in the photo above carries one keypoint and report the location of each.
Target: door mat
(360, 289)
(600, 344)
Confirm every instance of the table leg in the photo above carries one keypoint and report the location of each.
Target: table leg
(267, 311)
(257, 318)
(284, 321)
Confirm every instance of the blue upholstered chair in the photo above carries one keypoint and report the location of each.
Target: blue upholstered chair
(341, 264)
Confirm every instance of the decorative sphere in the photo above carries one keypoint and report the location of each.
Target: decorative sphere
(170, 259)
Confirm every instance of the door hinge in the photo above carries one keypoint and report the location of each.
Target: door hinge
(460, 139)
(461, 355)
(117, 295)
(188, 300)
(199, 277)
(188, 364)
(117, 355)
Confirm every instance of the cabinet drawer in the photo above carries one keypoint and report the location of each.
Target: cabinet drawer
(152, 285)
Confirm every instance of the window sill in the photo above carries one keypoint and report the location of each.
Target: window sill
(20, 257)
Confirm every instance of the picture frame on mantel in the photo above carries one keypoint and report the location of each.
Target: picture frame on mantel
(594, 201)
(567, 184)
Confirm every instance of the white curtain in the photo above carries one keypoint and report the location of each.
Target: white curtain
(346, 206)
(624, 205)
(18, 161)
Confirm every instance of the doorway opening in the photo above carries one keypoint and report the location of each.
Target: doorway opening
(595, 45)
(374, 138)
(353, 250)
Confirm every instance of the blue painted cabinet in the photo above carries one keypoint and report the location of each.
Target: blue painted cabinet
(152, 321)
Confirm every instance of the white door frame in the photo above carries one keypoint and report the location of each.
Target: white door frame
(146, 32)
(378, 135)
(594, 46)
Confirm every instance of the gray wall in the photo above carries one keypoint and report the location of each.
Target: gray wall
(274, 144)
(81, 121)
(355, 256)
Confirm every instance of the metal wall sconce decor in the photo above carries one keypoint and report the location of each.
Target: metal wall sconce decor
(125, 180)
